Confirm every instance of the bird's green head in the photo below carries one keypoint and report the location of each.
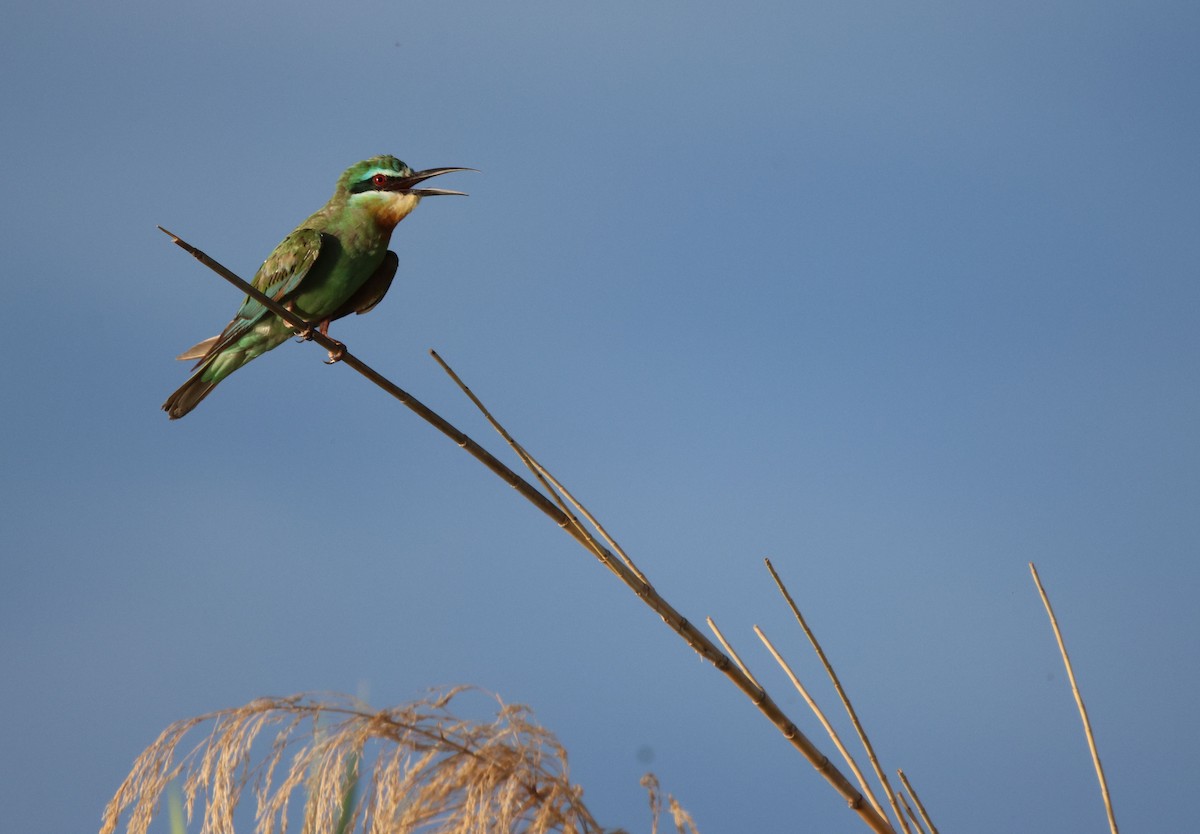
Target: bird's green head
(384, 186)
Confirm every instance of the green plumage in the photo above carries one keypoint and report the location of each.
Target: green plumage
(335, 263)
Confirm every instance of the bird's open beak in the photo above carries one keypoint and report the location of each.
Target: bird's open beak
(406, 184)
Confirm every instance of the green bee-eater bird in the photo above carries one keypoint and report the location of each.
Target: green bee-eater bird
(335, 263)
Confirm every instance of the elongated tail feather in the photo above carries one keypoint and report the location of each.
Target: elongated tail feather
(199, 350)
(189, 395)
(212, 368)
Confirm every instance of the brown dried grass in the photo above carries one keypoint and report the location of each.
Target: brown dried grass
(418, 768)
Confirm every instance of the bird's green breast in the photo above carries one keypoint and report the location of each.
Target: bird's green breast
(337, 274)
(352, 248)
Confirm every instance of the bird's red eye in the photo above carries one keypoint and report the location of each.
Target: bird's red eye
(379, 180)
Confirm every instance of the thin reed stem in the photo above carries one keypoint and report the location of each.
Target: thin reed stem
(837, 685)
(917, 801)
(540, 472)
(712, 626)
(1087, 724)
(817, 711)
(909, 812)
(632, 578)
(347, 358)
(736, 672)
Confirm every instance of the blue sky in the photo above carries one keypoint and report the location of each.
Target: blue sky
(902, 296)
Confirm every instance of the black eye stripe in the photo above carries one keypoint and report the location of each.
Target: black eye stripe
(369, 184)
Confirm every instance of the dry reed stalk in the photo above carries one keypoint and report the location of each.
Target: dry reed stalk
(917, 801)
(735, 671)
(1087, 724)
(909, 812)
(547, 480)
(345, 357)
(712, 626)
(684, 824)
(683, 821)
(422, 770)
(624, 569)
(820, 714)
(650, 783)
(837, 685)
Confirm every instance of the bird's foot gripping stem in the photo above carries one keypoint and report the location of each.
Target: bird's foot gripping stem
(336, 353)
(305, 334)
(302, 334)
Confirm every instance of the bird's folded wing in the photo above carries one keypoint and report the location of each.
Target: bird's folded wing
(280, 275)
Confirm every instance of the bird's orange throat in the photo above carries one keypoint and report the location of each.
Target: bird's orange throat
(389, 207)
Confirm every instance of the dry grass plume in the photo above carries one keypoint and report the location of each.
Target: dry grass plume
(414, 768)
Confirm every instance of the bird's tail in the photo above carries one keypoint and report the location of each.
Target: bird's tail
(190, 393)
(211, 369)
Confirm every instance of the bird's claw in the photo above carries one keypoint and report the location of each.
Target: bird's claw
(336, 353)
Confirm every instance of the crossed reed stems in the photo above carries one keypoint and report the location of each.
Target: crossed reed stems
(907, 812)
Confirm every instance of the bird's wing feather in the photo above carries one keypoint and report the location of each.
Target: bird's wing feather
(283, 270)
(278, 278)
